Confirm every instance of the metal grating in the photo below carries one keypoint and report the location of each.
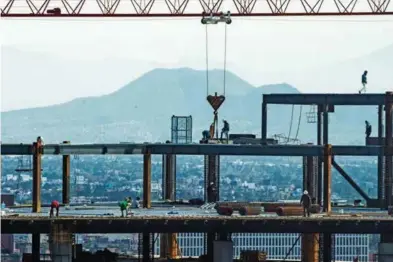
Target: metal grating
(181, 130)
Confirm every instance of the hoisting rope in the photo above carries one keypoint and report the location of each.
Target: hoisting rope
(207, 59)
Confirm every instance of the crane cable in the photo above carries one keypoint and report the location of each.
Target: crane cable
(290, 125)
(298, 123)
(207, 59)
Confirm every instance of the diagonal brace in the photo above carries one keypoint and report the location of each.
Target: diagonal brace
(350, 180)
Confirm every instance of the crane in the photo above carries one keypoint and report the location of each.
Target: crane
(194, 8)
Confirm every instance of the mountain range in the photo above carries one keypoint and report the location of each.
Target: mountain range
(141, 110)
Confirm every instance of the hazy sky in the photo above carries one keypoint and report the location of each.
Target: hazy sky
(255, 45)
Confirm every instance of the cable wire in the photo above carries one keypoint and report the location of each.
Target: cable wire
(225, 56)
(299, 121)
(290, 125)
(207, 62)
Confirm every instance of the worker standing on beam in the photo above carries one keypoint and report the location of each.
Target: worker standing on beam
(225, 129)
(368, 129)
(53, 205)
(364, 82)
(305, 201)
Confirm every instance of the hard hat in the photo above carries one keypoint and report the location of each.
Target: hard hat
(305, 192)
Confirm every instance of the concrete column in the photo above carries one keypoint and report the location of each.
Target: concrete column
(147, 180)
(310, 247)
(37, 151)
(264, 123)
(35, 247)
(66, 177)
(60, 243)
(388, 143)
(327, 178)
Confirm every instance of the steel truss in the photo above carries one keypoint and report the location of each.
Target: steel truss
(195, 8)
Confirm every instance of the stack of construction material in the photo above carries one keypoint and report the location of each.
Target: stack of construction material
(224, 211)
(250, 210)
(296, 210)
(252, 256)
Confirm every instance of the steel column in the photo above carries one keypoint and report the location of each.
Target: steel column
(169, 177)
(388, 143)
(146, 244)
(381, 161)
(327, 247)
(211, 237)
(327, 178)
(325, 125)
(147, 180)
(310, 175)
(35, 247)
(310, 247)
(37, 150)
(264, 123)
(319, 143)
(212, 178)
(66, 177)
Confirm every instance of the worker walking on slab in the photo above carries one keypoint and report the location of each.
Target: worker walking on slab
(225, 129)
(53, 205)
(124, 206)
(305, 201)
(368, 129)
(364, 82)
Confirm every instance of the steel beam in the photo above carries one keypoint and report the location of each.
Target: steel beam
(325, 99)
(147, 180)
(327, 179)
(350, 181)
(37, 150)
(66, 177)
(199, 149)
(388, 144)
(207, 223)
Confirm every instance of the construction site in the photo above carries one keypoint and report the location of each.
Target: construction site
(316, 233)
(219, 221)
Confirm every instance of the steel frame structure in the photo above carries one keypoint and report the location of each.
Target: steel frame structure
(187, 8)
(194, 149)
(325, 104)
(203, 224)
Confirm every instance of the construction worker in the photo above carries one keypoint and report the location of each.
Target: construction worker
(205, 135)
(136, 203)
(124, 206)
(368, 129)
(211, 189)
(364, 82)
(225, 129)
(305, 201)
(53, 205)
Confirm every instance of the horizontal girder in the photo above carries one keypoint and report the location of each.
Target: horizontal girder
(176, 224)
(327, 99)
(194, 149)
